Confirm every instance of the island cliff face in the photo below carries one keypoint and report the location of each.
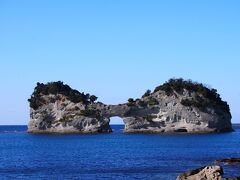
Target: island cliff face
(176, 106)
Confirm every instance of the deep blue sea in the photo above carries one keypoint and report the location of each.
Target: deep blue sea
(111, 156)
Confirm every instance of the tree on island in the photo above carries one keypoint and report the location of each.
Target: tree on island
(93, 98)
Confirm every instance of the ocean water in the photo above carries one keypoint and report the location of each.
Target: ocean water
(111, 156)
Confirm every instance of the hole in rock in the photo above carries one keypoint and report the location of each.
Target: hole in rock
(116, 124)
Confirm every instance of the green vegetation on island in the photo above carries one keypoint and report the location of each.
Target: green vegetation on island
(203, 98)
(55, 88)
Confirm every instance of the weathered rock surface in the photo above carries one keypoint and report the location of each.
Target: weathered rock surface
(204, 173)
(176, 106)
(56, 108)
(64, 116)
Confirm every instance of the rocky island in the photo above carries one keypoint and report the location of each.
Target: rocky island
(177, 106)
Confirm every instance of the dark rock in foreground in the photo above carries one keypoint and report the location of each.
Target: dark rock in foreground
(204, 173)
(229, 161)
(177, 106)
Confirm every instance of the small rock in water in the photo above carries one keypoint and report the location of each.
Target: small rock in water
(229, 161)
(204, 173)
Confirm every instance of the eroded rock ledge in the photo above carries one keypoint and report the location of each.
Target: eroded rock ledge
(205, 173)
(174, 107)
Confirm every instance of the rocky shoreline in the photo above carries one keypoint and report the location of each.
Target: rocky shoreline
(214, 172)
(177, 106)
(203, 173)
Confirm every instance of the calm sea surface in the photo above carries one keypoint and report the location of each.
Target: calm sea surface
(111, 156)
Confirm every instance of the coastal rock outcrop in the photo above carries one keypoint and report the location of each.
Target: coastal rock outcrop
(204, 173)
(176, 106)
(56, 108)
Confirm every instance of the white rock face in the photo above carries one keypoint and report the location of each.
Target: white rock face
(169, 115)
(63, 116)
(157, 112)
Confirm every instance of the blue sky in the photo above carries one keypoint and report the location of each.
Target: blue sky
(116, 49)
